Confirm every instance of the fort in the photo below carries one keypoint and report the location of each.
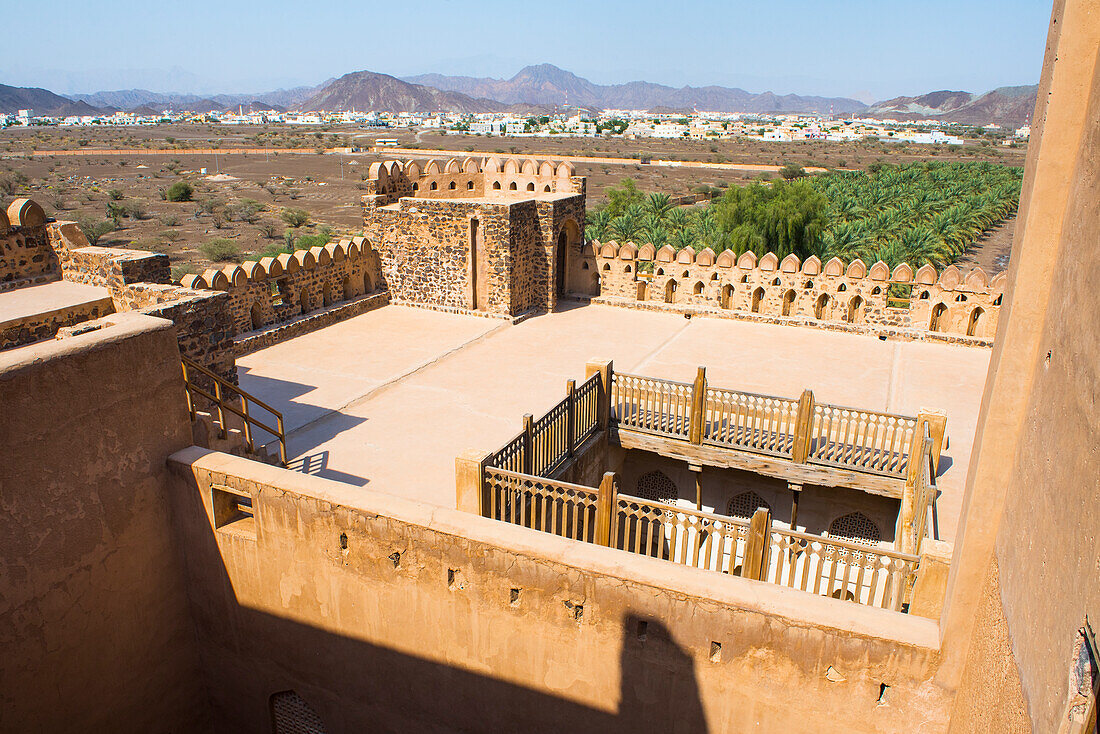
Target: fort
(469, 471)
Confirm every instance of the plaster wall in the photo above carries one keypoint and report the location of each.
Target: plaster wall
(391, 615)
(93, 623)
(1029, 557)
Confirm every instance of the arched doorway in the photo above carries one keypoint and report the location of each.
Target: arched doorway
(643, 290)
(670, 290)
(757, 299)
(788, 302)
(976, 325)
(349, 292)
(326, 294)
(725, 299)
(855, 310)
(257, 316)
(304, 301)
(938, 322)
(568, 243)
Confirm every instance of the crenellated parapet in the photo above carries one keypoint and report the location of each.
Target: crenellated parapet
(279, 289)
(851, 294)
(389, 181)
(26, 257)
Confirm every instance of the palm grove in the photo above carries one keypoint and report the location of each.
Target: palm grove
(916, 213)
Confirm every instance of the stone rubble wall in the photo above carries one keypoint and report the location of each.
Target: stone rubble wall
(280, 289)
(420, 220)
(953, 305)
(26, 257)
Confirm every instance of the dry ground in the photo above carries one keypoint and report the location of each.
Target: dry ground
(328, 186)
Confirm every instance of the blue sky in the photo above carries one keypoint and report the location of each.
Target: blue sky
(859, 48)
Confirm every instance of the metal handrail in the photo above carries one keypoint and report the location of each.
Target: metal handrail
(222, 385)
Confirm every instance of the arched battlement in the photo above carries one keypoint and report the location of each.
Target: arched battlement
(647, 251)
(25, 213)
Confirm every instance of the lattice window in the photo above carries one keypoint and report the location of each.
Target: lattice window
(657, 487)
(292, 715)
(745, 504)
(855, 527)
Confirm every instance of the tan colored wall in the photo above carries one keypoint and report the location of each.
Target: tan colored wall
(93, 624)
(1028, 546)
(414, 625)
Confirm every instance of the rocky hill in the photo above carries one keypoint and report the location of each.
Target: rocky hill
(366, 90)
(1007, 106)
(547, 84)
(42, 101)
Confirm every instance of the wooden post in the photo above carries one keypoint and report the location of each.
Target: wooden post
(937, 428)
(796, 493)
(607, 503)
(697, 469)
(913, 474)
(571, 417)
(803, 425)
(528, 444)
(470, 482)
(606, 370)
(755, 565)
(698, 403)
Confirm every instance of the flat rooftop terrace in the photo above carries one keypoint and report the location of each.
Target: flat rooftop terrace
(36, 301)
(388, 399)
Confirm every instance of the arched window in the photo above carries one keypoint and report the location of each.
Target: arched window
(757, 299)
(469, 185)
(434, 186)
(656, 487)
(726, 298)
(960, 298)
(714, 276)
(809, 284)
(841, 288)
(855, 527)
(584, 265)
(938, 322)
(546, 189)
(627, 270)
(745, 504)
(304, 300)
(326, 294)
(997, 300)
(512, 186)
(660, 271)
(777, 281)
(975, 325)
(349, 291)
(923, 295)
(821, 306)
(697, 289)
(531, 187)
(496, 185)
(416, 187)
(687, 274)
(257, 315)
(876, 291)
(607, 267)
(788, 302)
(744, 278)
(367, 286)
(290, 714)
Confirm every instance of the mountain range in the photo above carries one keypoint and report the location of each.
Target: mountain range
(546, 84)
(535, 89)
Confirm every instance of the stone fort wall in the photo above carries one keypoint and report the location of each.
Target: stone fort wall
(26, 257)
(476, 235)
(953, 305)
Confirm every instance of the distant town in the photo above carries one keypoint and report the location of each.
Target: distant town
(630, 124)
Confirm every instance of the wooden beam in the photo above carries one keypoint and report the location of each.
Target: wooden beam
(607, 502)
(770, 466)
(755, 565)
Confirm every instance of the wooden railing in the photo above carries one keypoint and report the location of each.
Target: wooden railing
(227, 397)
(546, 443)
(924, 492)
(542, 504)
(801, 430)
(654, 406)
(864, 440)
(686, 536)
(742, 420)
(753, 549)
(838, 568)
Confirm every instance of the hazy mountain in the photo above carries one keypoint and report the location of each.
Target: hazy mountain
(547, 84)
(42, 101)
(366, 90)
(1008, 106)
(133, 99)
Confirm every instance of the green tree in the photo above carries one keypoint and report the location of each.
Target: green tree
(179, 191)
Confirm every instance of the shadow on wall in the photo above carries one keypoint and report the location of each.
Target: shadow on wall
(351, 686)
(249, 656)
